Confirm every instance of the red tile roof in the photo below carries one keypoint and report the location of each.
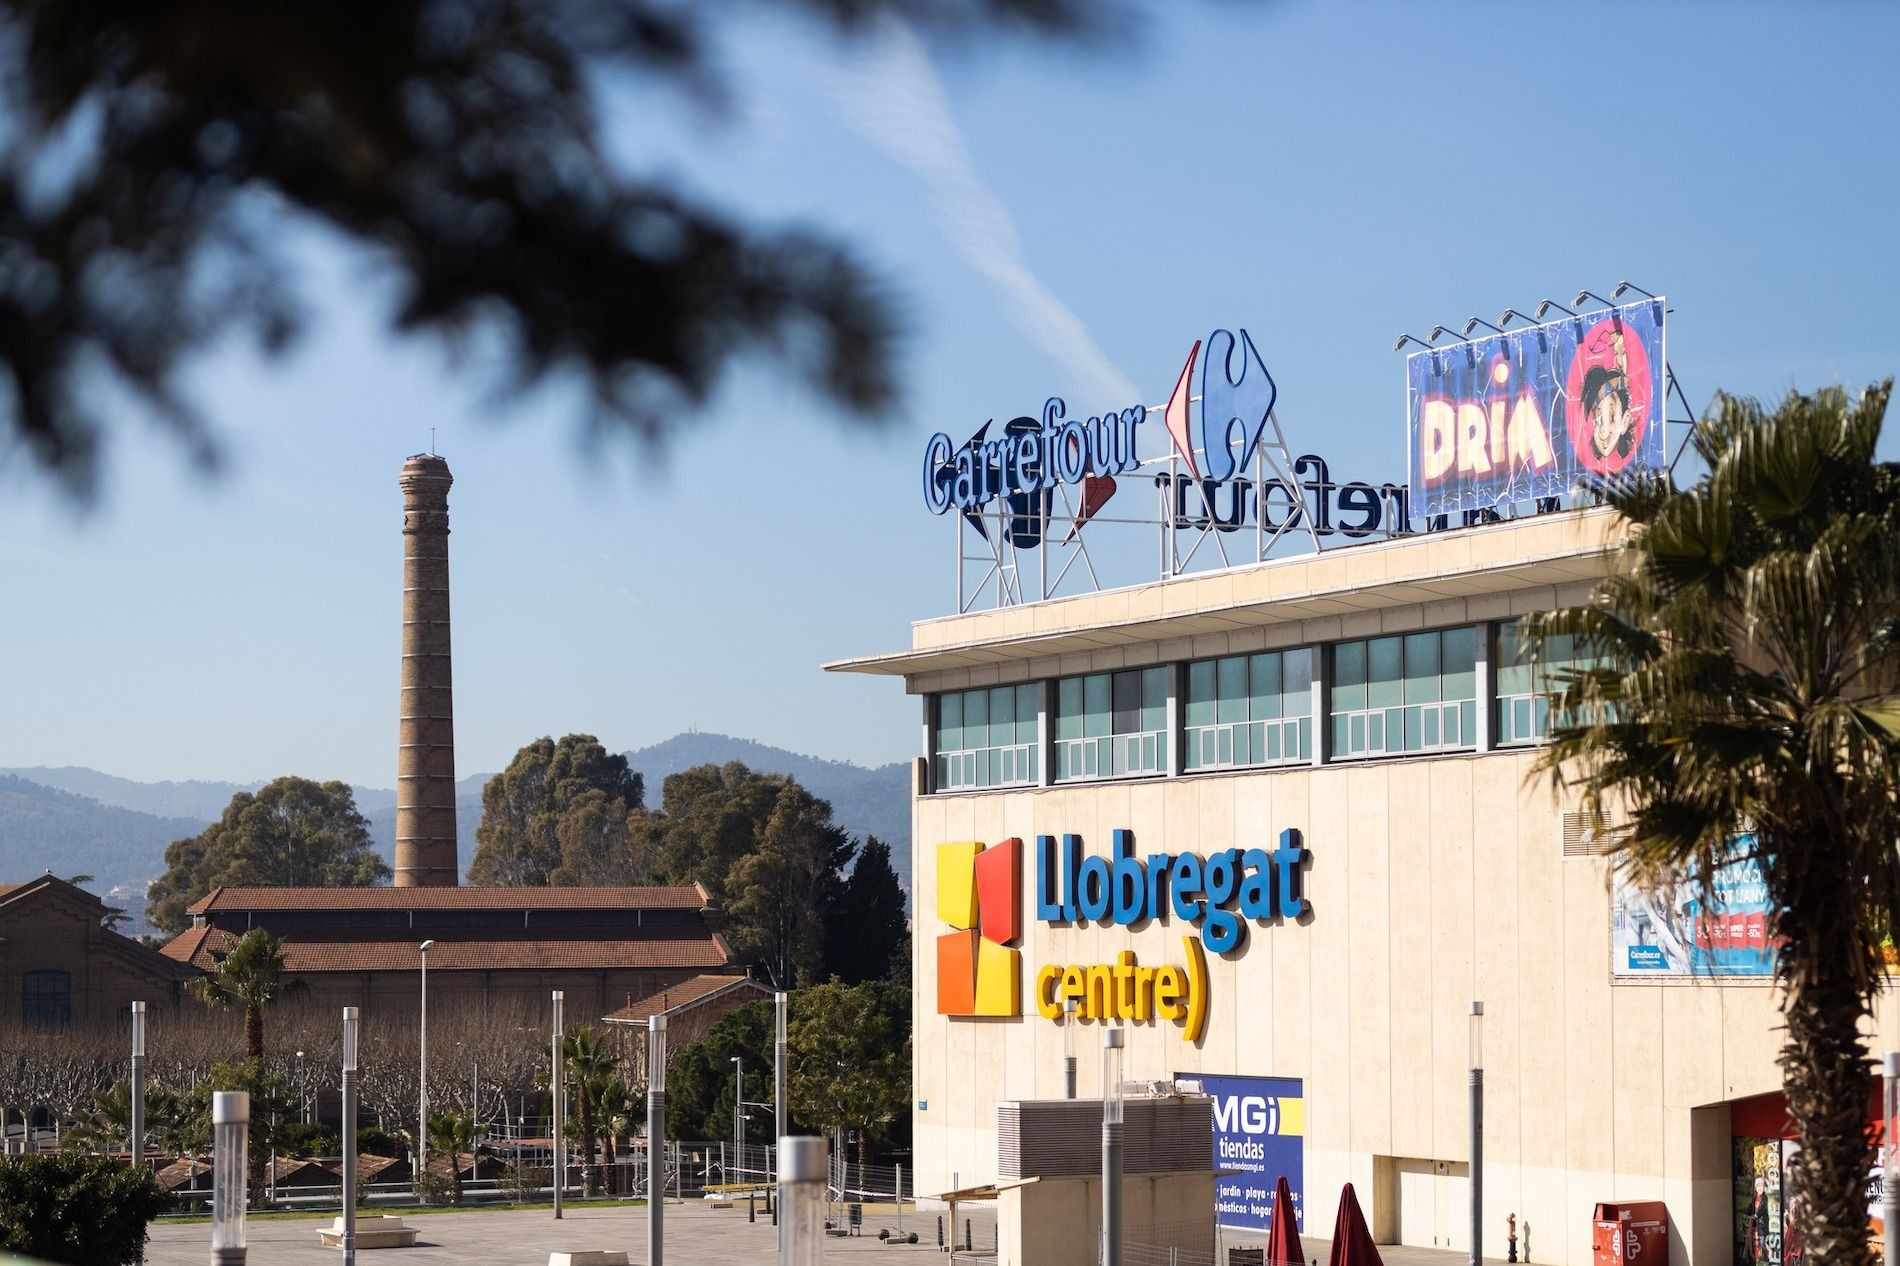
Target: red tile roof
(680, 996)
(651, 897)
(340, 952)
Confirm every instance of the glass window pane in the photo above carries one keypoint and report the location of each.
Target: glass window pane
(976, 717)
(1359, 733)
(1200, 693)
(1273, 742)
(1383, 672)
(1514, 661)
(1297, 672)
(1096, 713)
(1458, 663)
(1306, 738)
(1154, 698)
(1349, 676)
(1148, 752)
(1468, 723)
(1069, 708)
(1027, 702)
(1342, 735)
(1264, 686)
(949, 722)
(1431, 726)
(1375, 731)
(1127, 689)
(1421, 667)
(1414, 730)
(1232, 677)
(1002, 716)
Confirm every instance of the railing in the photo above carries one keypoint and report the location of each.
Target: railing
(1111, 756)
(1010, 765)
(1417, 727)
(1250, 744)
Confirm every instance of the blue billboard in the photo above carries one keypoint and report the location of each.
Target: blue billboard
(1724, 929)
(1259, 1136)
(1537, 411)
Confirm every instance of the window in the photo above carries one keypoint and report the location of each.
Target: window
(1415, 693)
(986, 738)
(1527, 688)
(1112, 725)
(1250, 710)
(46, 997)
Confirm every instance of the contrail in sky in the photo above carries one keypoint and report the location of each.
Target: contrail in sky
(896, 100)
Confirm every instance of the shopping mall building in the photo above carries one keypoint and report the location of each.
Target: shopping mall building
(1281, 823)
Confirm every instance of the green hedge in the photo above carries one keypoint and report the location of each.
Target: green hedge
(83, 1210)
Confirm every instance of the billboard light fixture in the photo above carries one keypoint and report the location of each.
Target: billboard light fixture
(1431, 340)
(1409, 338)
(1624, 286)
(1546, 305)
(1588, 294)
(1472, 323)
(1510, 315)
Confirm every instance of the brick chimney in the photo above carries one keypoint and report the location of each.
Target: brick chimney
(425, 752)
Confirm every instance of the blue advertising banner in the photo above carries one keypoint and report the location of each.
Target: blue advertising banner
(1259, 1131)
(1679, 934)
(1536, 411)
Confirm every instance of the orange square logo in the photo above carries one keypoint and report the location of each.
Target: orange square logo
(979, 896)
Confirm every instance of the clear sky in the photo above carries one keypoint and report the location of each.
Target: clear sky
(1057, 223)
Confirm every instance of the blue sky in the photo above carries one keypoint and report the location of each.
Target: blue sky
(1057, 222)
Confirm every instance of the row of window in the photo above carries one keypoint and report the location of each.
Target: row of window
(1413, 692)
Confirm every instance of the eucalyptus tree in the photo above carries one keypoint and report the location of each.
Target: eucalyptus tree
(1747, 643)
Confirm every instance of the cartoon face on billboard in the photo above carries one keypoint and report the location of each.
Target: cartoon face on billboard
(1607, 402)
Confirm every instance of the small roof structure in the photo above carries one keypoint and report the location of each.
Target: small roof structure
(686, 995)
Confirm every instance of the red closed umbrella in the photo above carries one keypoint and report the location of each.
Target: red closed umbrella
(1352, 1241)
(1283, 1234)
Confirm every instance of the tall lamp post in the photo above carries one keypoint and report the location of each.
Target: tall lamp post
(557, 1097)
(1112, 1147)
(1476, 1023)
(303, 1102)
(349, 1135)
(780, 1003)
(656, 1135)
(422, 1079)
(138, 1085)
(738, 1117)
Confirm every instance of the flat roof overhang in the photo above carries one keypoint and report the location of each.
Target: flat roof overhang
(1562, 548)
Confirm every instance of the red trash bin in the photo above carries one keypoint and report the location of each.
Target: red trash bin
(1630, 1233)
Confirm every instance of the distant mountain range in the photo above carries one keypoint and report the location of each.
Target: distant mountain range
(72, 820)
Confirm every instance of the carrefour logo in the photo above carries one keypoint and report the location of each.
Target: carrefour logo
(980, 895)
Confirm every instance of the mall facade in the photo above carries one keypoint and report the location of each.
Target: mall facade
(1281, 824)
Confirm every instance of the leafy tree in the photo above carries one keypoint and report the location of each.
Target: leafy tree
(250, 974)
(271, 1101)
(848, 1050)
(291, 832)
(308, 1139)
(595, 845)
(700, 1077)
(86, 1210)
(768, 852)
(1750, 630)
(866, 927)
(519, 842)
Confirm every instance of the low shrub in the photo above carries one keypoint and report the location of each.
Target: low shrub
(83, 1210)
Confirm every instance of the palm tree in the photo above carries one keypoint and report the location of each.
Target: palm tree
(453, 1135)
(1749, 638)
(591, 1068)
(110, 1125)
(250, 973)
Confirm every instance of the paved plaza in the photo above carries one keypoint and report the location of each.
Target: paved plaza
(695, 1236)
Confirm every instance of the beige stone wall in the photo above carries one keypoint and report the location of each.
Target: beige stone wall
(1434, 880)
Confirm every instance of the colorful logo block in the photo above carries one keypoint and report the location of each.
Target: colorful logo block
(979, 894)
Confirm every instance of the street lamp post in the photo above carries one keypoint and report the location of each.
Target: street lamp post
(738, 1117)
(556, 1104)
(656, 1135)
(803, 1172)
(1476, 1023)
(349, 1135)
(303, 1102)
(422, 1080)
(781, 1002)
(138, 1085)
(1112, 1147)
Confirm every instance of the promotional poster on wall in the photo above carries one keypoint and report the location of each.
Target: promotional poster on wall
(1259, 1133)
(1677, 933)
(1537, 411)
